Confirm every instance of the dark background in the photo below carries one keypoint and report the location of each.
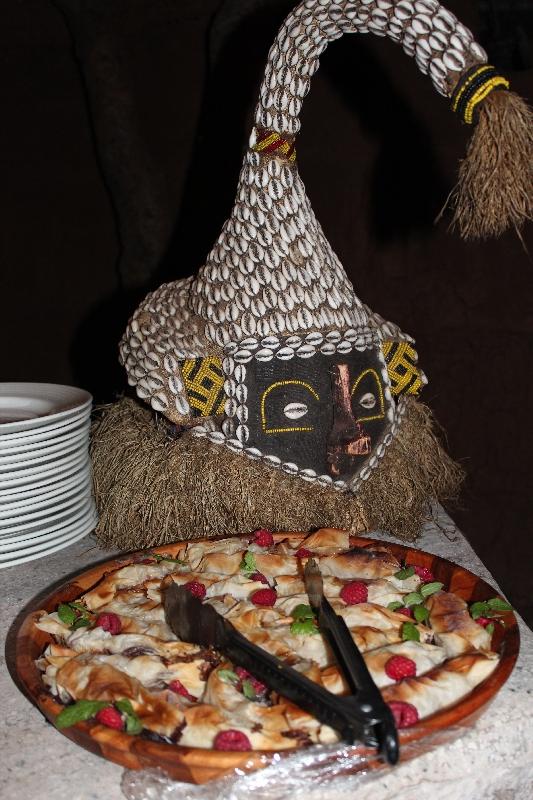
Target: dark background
(123, 128)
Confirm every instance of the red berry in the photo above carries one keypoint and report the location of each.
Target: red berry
(484, 621)
(177, 687)
(354, 592)
(232, 740)
(425, 574)
(196, 588)
(109, 622)
(257, 685)
(263, 538)
(264, 597)
(405, 610)
(110, 717)
(404, 714)
(303, 552)
(399, 667)
(258, 576)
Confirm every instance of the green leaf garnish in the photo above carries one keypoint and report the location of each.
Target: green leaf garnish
(66, 614)
(394, 605)
(413, 599)
(301, 612)
(228, 676)
(430, 588)
(133, 723)
(490, 628)
(496, 604)
(81, 622)
(479, 609)
(247, 565)
(79, 712)
(410, 632)
(420, 613)
(404, 573)
(248, 690)
(79, 607)
(303, 627)
(164, 557)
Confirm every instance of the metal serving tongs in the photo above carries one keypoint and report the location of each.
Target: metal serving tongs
(362, 716)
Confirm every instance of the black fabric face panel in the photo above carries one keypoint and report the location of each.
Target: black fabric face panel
(291, 409)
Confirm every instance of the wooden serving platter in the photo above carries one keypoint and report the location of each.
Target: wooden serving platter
(195, 765)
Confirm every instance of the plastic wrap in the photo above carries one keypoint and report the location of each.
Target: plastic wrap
(303, 774)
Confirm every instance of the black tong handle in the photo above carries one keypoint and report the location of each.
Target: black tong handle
(341, 713)
(371, 705)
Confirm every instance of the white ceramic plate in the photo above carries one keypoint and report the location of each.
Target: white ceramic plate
(14, 516)
(42, 487)
(68, 464)
(46, 495)
(85, 526)
(41, 540)
(44, 453)
(23, 447)
(30, 405)
(29, 505)
(44, 432)
(22, 528)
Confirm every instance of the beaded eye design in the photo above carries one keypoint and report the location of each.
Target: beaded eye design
(294, 411)
(368, 401)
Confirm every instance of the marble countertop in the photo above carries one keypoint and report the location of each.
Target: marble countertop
(491, 761)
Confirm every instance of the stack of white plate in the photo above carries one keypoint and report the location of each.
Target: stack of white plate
(46, 500)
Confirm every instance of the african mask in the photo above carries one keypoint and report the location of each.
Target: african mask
(267, 350)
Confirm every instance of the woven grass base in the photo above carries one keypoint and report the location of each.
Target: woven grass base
(151, 489)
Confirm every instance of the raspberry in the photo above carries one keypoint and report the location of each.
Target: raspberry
(109, 622)
(258, 576)
(264, 597)
(232, 740)
(424, 573)
(263, 538)
(257, 685)
(484, 621)
(354, 592)
(404, 714)
(196, 588)
(177, 687)
(399, 667)
(303, 552)
(407, 612)
(110, 717)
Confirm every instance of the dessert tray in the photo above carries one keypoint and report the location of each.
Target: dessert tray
(437, 640)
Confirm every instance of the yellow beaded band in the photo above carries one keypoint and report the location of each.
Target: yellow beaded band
(473, 87)
(273, 143)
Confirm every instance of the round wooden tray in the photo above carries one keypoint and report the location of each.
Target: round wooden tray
(197, 765)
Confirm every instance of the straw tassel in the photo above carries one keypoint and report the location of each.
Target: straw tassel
(495, 187)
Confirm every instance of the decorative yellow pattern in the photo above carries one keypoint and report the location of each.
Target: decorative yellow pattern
(404, 375)
(204, 382)
(480, 95)
(264, 397)
(381, 412)
(272, 142)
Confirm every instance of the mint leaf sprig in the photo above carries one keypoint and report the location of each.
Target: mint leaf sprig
(83, 710)
(75, 615)
(304, 623)
(489, 608)
(404, 573)
(133, 723)
(410, 632)
(248, 565)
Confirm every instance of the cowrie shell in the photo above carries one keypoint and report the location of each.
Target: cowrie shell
(295, 410)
